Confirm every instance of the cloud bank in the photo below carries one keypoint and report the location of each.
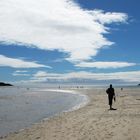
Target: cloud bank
(18, 63)
(42, 76)
(57, 24)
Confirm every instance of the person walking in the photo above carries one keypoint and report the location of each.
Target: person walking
(111, 95)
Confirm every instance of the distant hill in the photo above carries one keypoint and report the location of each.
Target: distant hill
(138, 84)
(5, 84)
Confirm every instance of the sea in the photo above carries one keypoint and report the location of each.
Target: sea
(21, 107)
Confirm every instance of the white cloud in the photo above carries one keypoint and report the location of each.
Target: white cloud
(104, 65)
(42, 76)
(108, 17)
(21, 73)
(18, 63)
(56, 24)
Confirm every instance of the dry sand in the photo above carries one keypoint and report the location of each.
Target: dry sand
(92, 122)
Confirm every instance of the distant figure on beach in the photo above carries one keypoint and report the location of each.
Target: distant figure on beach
(111, 95)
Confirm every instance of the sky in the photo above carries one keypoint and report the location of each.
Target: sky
(70, 41)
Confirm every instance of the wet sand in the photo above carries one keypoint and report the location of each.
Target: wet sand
(92, 122)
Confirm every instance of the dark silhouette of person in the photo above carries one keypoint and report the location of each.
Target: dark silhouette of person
(111, 95)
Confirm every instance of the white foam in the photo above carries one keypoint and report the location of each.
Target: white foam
(58, 90)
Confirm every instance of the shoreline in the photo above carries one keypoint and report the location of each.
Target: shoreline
(91, 122)
(71, 91)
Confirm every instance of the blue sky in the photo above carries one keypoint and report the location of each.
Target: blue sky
(95, 41)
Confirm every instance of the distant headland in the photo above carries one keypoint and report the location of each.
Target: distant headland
(5, 84)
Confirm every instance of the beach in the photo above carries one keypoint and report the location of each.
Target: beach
(93, 121)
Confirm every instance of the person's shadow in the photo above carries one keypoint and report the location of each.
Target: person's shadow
(113, 109)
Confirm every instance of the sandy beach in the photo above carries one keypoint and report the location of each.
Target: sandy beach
(93, 121)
